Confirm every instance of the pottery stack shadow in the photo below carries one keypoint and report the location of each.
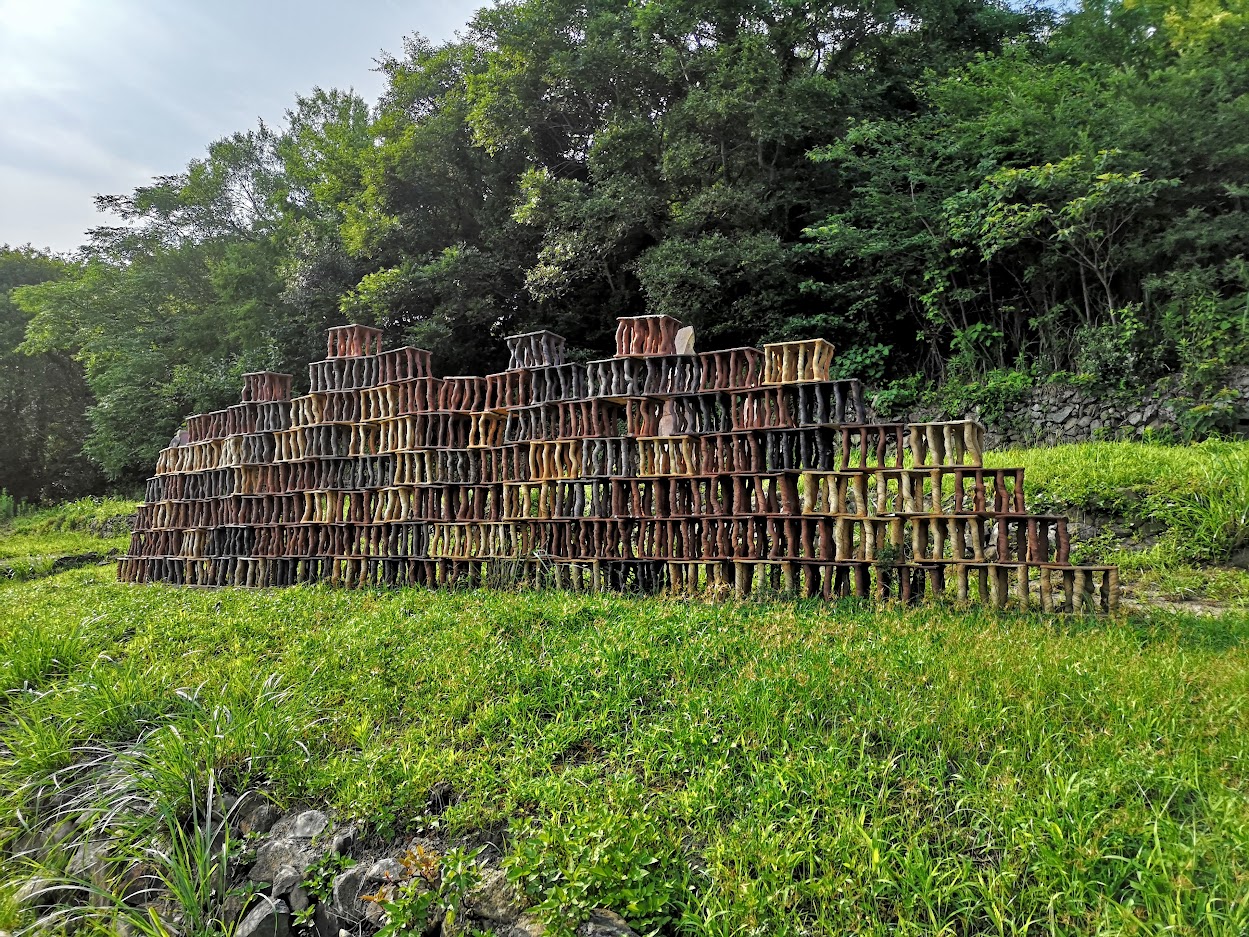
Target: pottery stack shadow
(660, 469)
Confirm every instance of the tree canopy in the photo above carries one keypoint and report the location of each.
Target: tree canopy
(940, 187)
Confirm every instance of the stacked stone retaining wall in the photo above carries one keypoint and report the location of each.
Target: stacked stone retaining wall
(1053, 414)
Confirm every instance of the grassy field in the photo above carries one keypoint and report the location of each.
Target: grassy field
(745, 768)
(30, 546)
(1195, 499)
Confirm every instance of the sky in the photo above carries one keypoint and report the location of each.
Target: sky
(99, 96)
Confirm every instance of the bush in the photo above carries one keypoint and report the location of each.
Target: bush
(11, 507)
(897, 397)
(600, 858)
(994, 396)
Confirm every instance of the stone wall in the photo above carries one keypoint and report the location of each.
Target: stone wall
(1052, 414)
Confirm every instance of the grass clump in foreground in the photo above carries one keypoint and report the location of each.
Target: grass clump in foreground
(746, 768)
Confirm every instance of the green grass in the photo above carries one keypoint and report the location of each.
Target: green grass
(31, 544)
(742, 768)
(746, 768)
(1197, 496)
(1200, 493)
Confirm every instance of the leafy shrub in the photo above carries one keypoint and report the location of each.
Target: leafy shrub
(433, 891)
(971, 347)
(897, 397)
(599, 858)
(1120, 353)
(865, 362)
(995, 395)
(1212, 415)
(1205, 322)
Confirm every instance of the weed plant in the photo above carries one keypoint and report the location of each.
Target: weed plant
(750, 767)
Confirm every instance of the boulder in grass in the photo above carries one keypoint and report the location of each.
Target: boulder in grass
(267, 919)
(605, 923)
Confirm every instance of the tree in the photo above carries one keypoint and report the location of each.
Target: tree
(43, 398)
(170, 307)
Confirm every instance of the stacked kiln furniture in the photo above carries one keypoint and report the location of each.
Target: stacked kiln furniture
(658, 469)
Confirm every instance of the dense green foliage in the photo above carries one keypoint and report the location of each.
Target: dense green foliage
(43, 398)
(764, 768)
(943, 188)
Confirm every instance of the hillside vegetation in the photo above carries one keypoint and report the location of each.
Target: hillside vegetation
(74, 533)
(973, 191)
(1193, 501)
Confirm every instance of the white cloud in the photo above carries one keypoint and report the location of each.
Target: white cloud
(45, 209)
(99, 95)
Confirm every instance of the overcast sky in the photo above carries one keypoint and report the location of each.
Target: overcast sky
(98, 96)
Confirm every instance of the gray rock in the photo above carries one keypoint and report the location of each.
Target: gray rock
(62, 831)
(303, 825)
(267, 919)
(253, 813)
(345, 896)
(299, 900)
(36, 893)
(90, 864)
(1061, 415)
(382, 874)
(310, 823)
(343, 841)
(527, 925)
(261, 820)
(285, 880)
(327, 921)
(374, 913)
(232, 908)
(92, 856)
(384, 870)
(288, 886)
(140, 884)
(276, 854)
(495, 899)
(40, 842)
(605, 923)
